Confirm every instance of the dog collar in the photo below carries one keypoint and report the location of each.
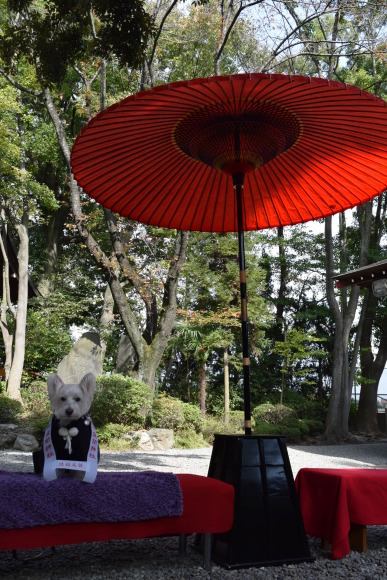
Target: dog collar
(51, 463)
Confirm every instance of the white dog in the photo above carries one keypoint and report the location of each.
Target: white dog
(70, 402)
(70, 437)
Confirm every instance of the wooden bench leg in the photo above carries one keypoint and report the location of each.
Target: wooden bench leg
(358, 538)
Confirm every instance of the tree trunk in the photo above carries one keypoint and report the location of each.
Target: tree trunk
(202, 381)
(16, 371)
(106, 319)
(5, 304)
(336, 425)
(371, 368)
(226, 386)
(53, 245)
(188, 378)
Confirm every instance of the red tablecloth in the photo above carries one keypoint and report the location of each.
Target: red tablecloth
(332, 499)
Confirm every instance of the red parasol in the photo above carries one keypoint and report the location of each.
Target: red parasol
(236, 153)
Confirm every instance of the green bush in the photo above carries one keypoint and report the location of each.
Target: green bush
(281, 420)
(192, 418)
(236, 421)
(263, 428)
(189, 439)
(106, 433)
(167, 413)
(274, 414)
(214, 425)
(305, 407)
(121, 400)
(10, 409)
(292, 433)
(315, 427)
(303, 426)
(36, 401)
(38, 424)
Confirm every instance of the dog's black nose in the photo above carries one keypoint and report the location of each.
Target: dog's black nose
(69, 412)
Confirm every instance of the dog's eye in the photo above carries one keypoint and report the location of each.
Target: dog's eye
(77, 399)
(63, 398)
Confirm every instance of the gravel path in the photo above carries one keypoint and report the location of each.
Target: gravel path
(157, 559)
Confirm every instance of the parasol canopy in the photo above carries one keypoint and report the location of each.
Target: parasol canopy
(308, 148)
(237, 153)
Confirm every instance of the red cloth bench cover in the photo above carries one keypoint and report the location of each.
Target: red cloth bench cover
(208, 507)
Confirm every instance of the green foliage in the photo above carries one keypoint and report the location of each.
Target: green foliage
(10, 410)
(106, 433)
(189, 439)
(314, 426)
(48, 337)
(37, 409)
(192, 418)
(38, 424)
(18, 161)
(210, 321)
(53, 34)
(298, 347)
(305, 407)
(281, 420)
(214, 425)
(292, 433)
(274, 414)
(35, 398)
(121, 400)
(167, 412)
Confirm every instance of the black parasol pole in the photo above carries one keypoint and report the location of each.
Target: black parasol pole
(238, 179)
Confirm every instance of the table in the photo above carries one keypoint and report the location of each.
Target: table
(332, 500)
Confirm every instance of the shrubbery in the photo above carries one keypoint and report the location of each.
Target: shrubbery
(189, 439)
(306, 408)
(110, 431)
(36, 402)
(282, 420)
(274, 414)
(192, 418)
(121, 400)
(235, 425)
(10, 409)
(167, 412)
(185, 420)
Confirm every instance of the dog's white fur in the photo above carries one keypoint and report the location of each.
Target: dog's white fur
(69, 402)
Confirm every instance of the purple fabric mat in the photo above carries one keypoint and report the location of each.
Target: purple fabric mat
(27, 500)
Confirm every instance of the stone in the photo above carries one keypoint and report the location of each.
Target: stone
(142, 440)
(26, 442)
(85, 357)
(8, 434)
(126, 356)
(162, 439)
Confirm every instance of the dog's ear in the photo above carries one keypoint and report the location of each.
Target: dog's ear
(54, 382)
(87, 384)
